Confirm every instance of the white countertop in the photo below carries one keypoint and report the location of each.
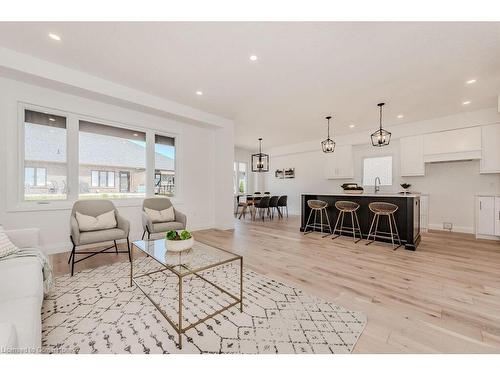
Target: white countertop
(369, 194)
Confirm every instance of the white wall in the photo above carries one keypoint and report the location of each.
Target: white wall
(205, 158)
(451, 186)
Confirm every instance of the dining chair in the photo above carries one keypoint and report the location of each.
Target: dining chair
(283, 202)
(273, 204)
(262, 207)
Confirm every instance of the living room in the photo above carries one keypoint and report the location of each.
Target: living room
(155, 199)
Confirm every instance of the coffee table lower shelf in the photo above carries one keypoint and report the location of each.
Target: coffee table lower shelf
(178, 326)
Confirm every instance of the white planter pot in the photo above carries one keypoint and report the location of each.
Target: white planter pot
(180, 245)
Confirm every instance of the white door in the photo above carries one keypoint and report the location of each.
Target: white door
(497, 216)
(486, 215)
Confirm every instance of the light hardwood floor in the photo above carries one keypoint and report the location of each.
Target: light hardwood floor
(442, 298)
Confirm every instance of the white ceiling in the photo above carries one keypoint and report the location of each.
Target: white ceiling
(305, 71)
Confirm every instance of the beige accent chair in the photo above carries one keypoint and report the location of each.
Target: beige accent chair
(159, 204)
(96, 207)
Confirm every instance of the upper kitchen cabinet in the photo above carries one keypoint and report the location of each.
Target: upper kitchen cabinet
(461, 144)
(490, 161)
(412, 156)
(339, 164)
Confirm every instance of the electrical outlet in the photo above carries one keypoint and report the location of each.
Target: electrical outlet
(448, 226)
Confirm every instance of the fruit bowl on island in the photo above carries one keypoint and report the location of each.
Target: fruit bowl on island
(177, 242)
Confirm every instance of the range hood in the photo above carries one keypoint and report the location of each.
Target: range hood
(453, 145)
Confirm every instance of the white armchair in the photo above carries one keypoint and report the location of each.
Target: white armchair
(159, 204)
(96, 207)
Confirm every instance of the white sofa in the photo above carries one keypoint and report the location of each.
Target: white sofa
(21, 297)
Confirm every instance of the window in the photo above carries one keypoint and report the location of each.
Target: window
(164, 183)
(45, 162)
(106, 152)
(240, 177)
(97, 160)
(377, 167)
(35, 176)
(104, 179)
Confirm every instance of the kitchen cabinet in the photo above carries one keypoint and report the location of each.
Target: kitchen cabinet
(460, 144)
(490, 158)
(339, 164)
(485, 208)
(412, 156)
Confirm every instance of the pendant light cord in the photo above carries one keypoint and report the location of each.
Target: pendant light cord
(381, 119)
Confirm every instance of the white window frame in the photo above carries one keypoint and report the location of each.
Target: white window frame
(72, 161)
(177, 164)
(372, 183)
(22, 108)
(236, 175)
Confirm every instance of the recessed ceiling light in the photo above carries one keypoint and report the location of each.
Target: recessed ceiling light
(400, 116)
(199, 92)
(52, 119)
(253, 58)
(54, 37)
(467, 102)
(471, 81)
(136, 135)
(352, 126)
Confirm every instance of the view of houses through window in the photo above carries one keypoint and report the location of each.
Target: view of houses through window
(45, 161)
(112, 160)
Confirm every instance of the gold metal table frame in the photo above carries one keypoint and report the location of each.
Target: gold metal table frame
(196, 272)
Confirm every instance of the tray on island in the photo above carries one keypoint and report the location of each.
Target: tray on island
(352, 188)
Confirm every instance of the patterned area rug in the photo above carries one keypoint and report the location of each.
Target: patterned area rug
(96, 311)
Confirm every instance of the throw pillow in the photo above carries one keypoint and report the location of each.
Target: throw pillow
(88, 223)
(6, 245)
(160, 216)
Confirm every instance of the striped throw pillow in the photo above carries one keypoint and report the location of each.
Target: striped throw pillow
(6, 246)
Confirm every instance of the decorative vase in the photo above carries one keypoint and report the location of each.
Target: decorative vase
(178, 245)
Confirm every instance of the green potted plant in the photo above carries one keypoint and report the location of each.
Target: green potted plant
(175, 241)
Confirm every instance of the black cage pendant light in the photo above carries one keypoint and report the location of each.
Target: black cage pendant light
(328, 145)
(381, 137)
(260, 161)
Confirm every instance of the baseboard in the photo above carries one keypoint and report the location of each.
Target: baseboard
(457, 229)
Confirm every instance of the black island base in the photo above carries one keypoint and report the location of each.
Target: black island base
(407, 216)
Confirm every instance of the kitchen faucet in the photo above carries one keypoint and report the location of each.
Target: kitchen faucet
(377, 187)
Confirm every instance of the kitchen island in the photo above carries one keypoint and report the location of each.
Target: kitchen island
(407, 216)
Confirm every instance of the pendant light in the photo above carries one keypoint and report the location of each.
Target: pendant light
(328, 145)
(381, 137)
(260, 161)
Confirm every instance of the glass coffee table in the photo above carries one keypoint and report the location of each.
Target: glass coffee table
(200, 258)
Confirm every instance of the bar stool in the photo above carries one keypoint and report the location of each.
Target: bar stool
(384, 209)
(315, 206)
(347, 207)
